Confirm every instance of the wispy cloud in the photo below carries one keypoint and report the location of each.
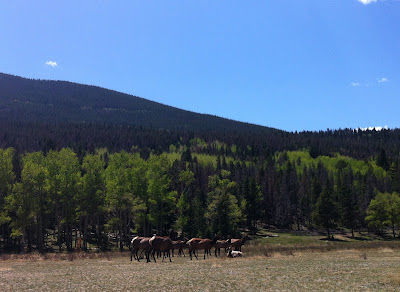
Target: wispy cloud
(51, 63)
(366, 2)
(355, 83)
(382, 80)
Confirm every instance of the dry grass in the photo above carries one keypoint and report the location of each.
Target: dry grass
(61, 256)
(335, 270)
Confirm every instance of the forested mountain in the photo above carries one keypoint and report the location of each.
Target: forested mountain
(28, 100)
(79, 160)
(41, 115)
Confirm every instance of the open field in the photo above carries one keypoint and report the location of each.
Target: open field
(338, 270)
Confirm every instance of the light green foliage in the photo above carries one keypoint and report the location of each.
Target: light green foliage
(119, 193)
(172, 156)
(161, 201)
(27, 201)
(27, 198)
(7, 177)
(172, 148)
(20, 204)
(92, 193)
(139, 188)
(64, 180)
(223, 211)
(63, 184)
(186, 177)
(384, 211)
(330, 162)
(197, 144)
(233, 148)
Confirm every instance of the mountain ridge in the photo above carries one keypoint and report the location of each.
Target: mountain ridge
(33, 100)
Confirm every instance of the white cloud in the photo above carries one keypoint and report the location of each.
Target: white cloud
(51, 63)
(366, 2)
(383, 79)
(355, 83)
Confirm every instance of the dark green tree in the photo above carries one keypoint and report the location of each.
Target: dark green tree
(325, 212)
(252, 200)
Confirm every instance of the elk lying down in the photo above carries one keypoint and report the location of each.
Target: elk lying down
(234, 253)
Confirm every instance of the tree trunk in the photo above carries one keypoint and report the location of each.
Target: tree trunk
(85, 231)
(40, 234)
(121, 232)
(393, 230)
(29, 239)
(22, 241)
(99, 241)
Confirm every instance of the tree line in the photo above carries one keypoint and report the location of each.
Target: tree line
(54, 198)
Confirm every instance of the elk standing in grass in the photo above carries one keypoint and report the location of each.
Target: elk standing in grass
(161, 244)
(200, 244)
(225, 244)
(140, 243)
(237, 243)
(179, 245)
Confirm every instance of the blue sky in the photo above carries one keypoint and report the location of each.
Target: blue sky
(287, 64)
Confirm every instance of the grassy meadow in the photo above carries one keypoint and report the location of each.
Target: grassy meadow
(353, 269)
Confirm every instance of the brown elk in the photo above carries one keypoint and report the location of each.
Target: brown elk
(161, 244)
(198, 244)
(179, 245)
(138, 243)
(237, 243)
(225, 244)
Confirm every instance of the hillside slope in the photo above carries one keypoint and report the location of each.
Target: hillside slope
(29, 100)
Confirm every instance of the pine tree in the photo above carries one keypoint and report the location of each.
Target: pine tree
(325, 211)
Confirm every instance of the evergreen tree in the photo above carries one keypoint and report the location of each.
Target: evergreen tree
(252, 202)
(381, 159)
(346, 196)
(325, 212)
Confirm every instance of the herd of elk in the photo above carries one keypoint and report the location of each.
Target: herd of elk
(158, 245)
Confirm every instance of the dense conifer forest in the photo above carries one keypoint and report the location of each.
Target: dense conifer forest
(70, 169)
